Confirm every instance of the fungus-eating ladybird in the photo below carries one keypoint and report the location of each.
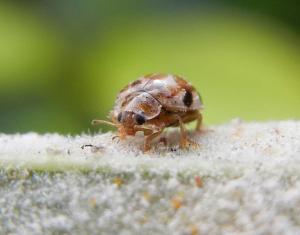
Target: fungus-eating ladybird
(152, 103)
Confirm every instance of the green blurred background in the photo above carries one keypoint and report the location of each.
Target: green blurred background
(63, 62)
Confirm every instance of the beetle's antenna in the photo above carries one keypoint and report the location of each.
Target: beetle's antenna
(98, 122)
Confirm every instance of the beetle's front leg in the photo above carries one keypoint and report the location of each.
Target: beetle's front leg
(150, 134)
(184, 141)
(147, 130)
(149, 138)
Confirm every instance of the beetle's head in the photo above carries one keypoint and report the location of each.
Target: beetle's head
(128, 120)
(125, 121)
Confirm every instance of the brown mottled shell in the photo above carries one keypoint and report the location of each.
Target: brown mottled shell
(149, 94)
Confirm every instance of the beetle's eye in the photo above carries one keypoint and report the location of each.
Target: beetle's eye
(140, 119)
(119, 117)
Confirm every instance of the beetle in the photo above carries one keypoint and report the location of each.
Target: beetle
(152, 103)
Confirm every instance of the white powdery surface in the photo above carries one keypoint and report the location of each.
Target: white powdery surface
(243, 179)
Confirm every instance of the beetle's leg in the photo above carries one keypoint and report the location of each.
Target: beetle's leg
(147, 130)
(116, 137)
(183, 135)
(192, 117)
(199, 121)
(149, 138)
(199, 127)
(150, 134)
(184, 141)
(163, 140)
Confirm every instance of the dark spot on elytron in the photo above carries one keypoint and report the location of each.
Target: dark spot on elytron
(119, 117)
(188, 98)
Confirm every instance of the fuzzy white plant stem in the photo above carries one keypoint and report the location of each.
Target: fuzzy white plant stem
(243, 179)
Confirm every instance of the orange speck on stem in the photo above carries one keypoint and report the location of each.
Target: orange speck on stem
(93, 202)
(146, 196)
(118, 181)
(194, 230)
(198, 181)
(176, 202)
